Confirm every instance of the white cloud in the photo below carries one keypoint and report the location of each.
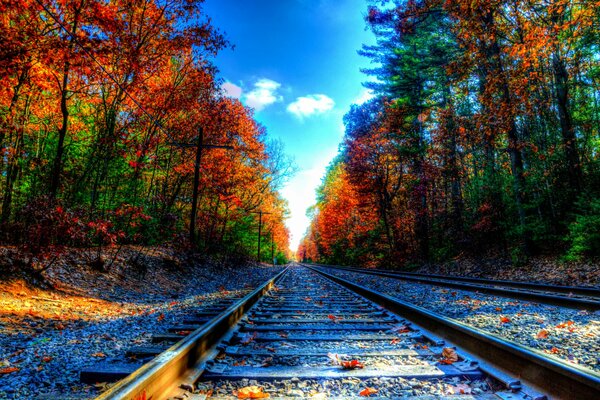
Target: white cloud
(263, 94)
(232, 90)
(366, 95)
(310, 105)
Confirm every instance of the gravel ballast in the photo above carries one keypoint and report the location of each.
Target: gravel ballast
(50, 354)
(568, 334)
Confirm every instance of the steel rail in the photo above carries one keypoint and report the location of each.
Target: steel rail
(559, 300)
(590, 291)
(160, 377)
(556, 378)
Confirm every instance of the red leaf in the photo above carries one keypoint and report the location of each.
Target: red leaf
(366, 392)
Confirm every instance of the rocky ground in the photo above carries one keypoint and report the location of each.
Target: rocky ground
(84, 317)
(568, 334)
(542, 269)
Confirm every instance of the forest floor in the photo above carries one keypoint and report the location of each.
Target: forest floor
(80, 316)
(541, 269)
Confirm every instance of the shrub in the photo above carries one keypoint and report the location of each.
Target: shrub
(584, 231)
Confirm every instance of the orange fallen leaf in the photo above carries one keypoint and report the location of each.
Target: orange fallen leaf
(366, 392)
(98, 355)
(161, 317)
(554, 350)
(352, 364)
(395, 341)
(565, 324)
(504, 320)
(498, 309)
(8, 370)
(47, 359)
(251, 392)
(543, 334)
(449, 356)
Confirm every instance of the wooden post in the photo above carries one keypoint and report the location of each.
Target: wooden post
(196, 186)
(272, 248)
(259, 233)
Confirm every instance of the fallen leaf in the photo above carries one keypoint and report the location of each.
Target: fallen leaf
(449, 356)
(251, 392)
(498, 309)
(98, 355)
(400, 329)
(267, 362)
(461, 388)
(8, 370)
(366, 392)
(352, 364)
(565, 324)
(47, 359)
(543, 334)
(346, 364)
(333, 318)
(504, 320)
(161, 317)
(248, 338)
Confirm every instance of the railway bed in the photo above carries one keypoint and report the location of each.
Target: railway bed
(578, 297)
(317, 335)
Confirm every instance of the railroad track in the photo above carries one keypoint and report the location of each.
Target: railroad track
(579, 297)
(315, 333)
(135, 357)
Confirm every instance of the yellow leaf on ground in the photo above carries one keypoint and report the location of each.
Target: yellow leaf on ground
(251, 392)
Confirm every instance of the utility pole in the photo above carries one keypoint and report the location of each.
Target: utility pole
(272, 247)
(199, 146)
(196, 185)
(260, 214)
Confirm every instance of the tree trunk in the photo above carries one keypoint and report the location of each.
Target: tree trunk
(561, 92)
(62, 132)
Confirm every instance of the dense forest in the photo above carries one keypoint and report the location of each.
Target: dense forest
(106, 108)
(483, 137)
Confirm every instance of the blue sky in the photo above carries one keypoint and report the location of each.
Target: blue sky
(296, 63)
